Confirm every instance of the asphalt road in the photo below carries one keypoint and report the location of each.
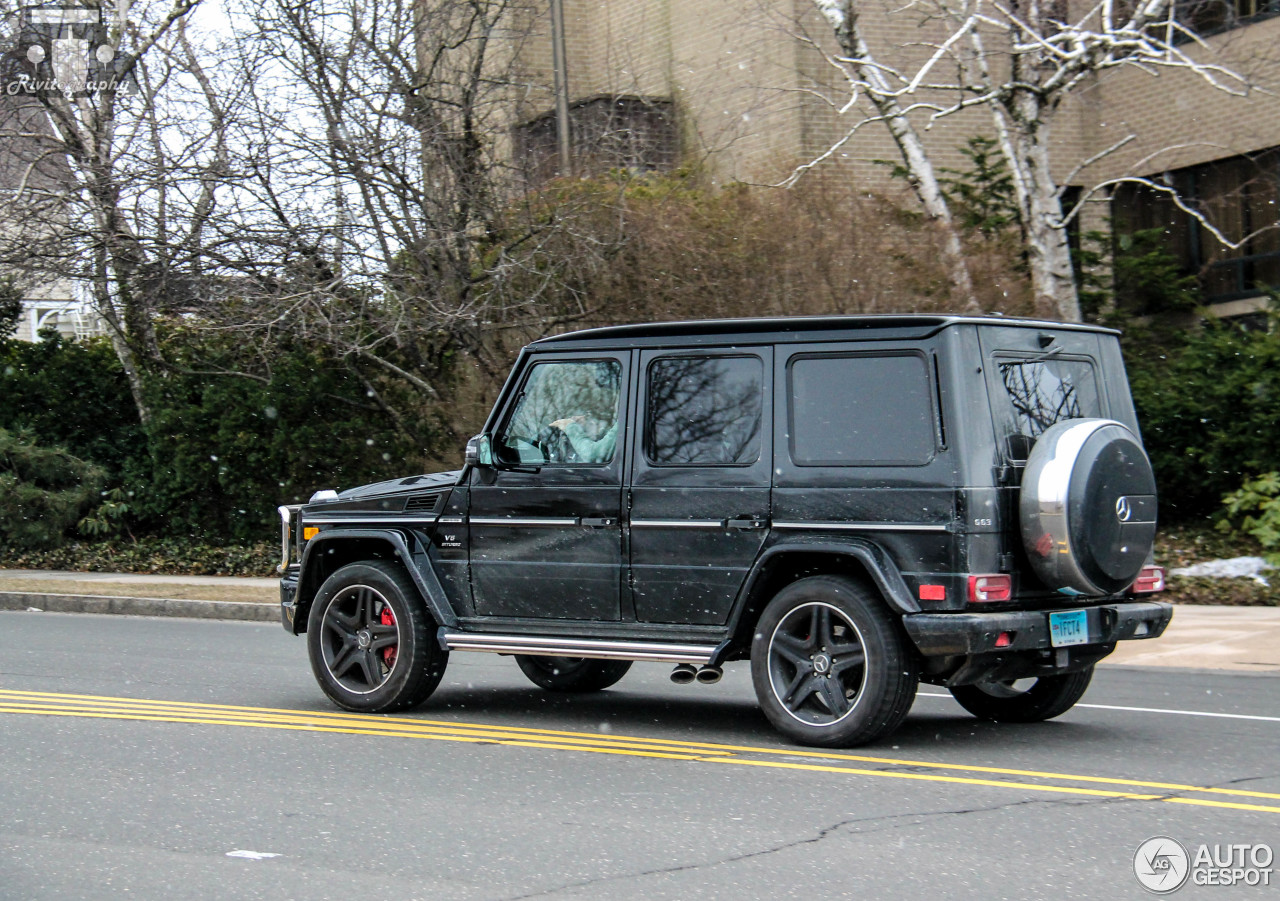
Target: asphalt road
(138, 755)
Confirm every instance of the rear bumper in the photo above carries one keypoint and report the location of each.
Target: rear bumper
(965, 634)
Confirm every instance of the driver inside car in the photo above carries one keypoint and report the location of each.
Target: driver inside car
(586, 448)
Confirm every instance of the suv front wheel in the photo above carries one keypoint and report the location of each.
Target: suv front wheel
(830, 665)
(370, 639)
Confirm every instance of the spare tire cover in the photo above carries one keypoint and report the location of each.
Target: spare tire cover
(1088, 507)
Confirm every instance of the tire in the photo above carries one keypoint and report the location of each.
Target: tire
(1087, 507)
(830, 665)
(1006, 702)
(572, 674)
(371, 640)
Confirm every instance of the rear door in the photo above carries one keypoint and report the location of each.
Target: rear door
(700, 480)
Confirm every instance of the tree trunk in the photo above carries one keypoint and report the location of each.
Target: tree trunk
(120, 344)
(843, 18)
(1048, 253)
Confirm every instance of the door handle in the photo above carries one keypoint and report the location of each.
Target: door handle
(745, 523)
(598, 522)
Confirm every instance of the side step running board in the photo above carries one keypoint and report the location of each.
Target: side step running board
(541, 646)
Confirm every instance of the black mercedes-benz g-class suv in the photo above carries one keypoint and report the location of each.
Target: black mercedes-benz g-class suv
(854, 504)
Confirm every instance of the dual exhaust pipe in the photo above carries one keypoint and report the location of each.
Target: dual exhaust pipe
(684, 673)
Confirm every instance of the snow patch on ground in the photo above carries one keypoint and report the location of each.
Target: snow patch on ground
(1233, 568)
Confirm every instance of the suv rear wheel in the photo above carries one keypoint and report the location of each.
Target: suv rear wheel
(572, 674)
(1012, 702)
(370, 640)
(829, 664)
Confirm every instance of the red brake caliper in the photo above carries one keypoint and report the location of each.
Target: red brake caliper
(389, 653)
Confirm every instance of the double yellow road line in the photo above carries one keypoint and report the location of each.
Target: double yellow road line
(144, 710)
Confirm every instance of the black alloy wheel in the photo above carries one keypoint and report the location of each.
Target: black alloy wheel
(368, 636)
(830, 665)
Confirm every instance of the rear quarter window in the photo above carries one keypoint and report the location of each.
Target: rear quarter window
(860, 410)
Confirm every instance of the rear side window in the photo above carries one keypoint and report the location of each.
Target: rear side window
(864, 410)
(703, 411)
(1044, 392)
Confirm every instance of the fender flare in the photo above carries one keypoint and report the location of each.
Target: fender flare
(883, 571)
(420, 570)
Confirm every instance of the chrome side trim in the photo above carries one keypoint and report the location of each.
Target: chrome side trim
(529, 521)
(600, 649)
(388, 519)
(677, 523)
(865, 526)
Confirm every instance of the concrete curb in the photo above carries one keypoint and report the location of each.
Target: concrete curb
(92, 603)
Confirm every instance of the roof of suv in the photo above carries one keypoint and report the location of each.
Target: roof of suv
(904, 325)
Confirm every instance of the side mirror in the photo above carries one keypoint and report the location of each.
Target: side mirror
(479, 451)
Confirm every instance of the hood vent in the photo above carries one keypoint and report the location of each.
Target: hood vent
(422, 503)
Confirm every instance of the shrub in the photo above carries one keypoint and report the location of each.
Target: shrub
(1255, 510)
(150, 554)
(1208, 399)
(71, 394)
(43, 491)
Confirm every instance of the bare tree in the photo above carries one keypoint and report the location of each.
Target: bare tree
(377, 192)
(1019, 61)
(113, 181)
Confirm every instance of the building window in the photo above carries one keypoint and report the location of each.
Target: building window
(1241, 197)
(1206, 17)
(633, 133)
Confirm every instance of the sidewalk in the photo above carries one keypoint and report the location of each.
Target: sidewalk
(1244, 639)
(200, 597)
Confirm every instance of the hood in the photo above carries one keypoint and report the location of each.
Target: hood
(410, 485)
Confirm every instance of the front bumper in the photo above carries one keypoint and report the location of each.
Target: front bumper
(965, 634)
(288, 600)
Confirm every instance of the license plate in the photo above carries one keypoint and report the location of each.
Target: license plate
(1068, 628)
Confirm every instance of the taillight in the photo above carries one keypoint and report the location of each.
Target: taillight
(1150, 580)
(990, 587)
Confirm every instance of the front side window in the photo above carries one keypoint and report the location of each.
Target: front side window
(567, 413)
(861, 410)
(704, 411)
(1043, 392)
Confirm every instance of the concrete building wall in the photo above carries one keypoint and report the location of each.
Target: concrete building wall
(756, 94)
(1179, 119)
(756, 97)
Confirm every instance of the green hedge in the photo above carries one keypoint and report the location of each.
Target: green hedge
(222, 450)
(1208, 400)
(44, 491)
(169, 556)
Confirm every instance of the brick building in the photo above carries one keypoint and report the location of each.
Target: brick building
(739, 88)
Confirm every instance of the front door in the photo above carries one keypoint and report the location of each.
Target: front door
(546, 541)
(700, 481)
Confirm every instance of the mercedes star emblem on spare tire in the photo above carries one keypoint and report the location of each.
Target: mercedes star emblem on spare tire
(1089, 487)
